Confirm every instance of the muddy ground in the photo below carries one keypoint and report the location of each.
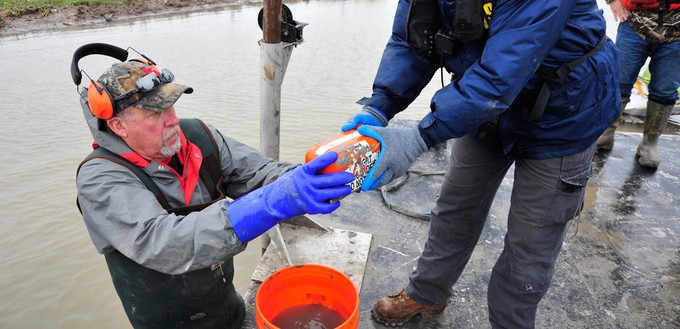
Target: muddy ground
(83, 14)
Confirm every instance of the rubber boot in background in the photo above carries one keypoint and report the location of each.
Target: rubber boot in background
(606, 140)
(655, 122)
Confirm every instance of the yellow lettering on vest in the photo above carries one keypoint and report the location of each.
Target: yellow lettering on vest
(488, 8)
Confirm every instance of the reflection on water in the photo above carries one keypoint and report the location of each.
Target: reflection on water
(52, 276)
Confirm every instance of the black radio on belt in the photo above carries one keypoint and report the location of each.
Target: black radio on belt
(426, 33)
(445, 43)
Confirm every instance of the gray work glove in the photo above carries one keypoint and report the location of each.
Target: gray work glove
(399, 147)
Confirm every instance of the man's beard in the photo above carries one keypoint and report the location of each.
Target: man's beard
(170, 150)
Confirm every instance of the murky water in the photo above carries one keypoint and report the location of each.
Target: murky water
(51, 276)
(308, 316)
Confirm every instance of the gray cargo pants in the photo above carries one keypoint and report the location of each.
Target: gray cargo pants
(546, 195)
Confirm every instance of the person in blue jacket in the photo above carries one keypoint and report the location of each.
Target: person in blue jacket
(534, 83)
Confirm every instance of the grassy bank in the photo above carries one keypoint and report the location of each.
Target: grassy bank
(21, 16)
(17, 8)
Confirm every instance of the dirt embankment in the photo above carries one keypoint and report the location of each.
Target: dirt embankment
(84, 14)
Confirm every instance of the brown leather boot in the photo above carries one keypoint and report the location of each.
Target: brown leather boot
(397, 309)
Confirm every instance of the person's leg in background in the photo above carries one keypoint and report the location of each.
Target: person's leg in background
(664, 67)
(633, 53)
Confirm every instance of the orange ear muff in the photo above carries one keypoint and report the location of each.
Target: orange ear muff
(100, 101)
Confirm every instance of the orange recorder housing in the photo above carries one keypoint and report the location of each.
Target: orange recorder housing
(356, 155)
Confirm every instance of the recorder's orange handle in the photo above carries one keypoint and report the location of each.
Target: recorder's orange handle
(356, 154)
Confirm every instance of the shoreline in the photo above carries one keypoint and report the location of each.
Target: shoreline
(80, 15)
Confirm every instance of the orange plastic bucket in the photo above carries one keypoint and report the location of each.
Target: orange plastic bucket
(303, 285)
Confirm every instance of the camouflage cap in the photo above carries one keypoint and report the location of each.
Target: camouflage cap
(121, 78)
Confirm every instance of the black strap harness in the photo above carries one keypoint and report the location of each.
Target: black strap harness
(210, 173)
(553, 79)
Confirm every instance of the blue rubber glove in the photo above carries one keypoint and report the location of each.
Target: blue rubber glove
(399, 147)
(369, 115)
(299, 191)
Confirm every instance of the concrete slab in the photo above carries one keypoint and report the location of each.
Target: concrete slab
(619, 267)
(342, 250)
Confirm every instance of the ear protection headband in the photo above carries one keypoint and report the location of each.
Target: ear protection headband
(99, 99)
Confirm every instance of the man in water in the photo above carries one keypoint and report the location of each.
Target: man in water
(152, 196)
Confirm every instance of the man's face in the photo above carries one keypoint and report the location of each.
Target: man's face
(153, 135)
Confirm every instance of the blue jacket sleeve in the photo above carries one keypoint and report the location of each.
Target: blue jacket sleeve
(402, 73)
